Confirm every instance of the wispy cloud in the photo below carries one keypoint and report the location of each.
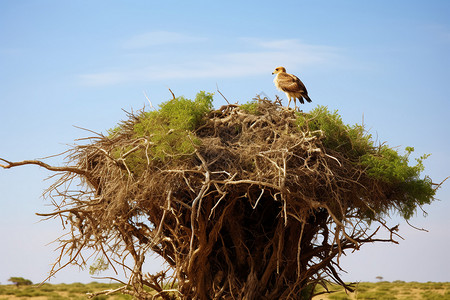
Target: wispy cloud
(263, 57)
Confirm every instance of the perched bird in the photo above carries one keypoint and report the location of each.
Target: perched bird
(291, 85)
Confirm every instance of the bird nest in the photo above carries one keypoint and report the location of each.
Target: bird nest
(257, 210)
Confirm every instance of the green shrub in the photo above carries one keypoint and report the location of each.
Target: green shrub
(382, 163)
(352, 140)
(176, 114)
(389, 166)
(18, 281)
(168, 130)
(251, 107)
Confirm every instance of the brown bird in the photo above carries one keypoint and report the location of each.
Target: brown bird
(291, 85)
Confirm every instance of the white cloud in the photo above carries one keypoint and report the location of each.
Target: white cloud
(156, 38)
(262, 59)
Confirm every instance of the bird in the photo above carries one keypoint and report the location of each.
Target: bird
(291, 85)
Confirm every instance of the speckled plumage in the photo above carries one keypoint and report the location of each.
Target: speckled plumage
(291, 85)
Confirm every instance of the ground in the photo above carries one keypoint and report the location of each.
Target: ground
(392, 290)
(365, 290)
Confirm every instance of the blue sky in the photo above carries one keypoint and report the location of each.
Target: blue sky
(66, 63)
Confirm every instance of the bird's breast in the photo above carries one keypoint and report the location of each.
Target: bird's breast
(277, 84)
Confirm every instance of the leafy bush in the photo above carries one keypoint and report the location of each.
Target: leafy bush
(168, 130)
(382, 163)
(20, 281)
(352, 140)
(176, 114)
(251, 107)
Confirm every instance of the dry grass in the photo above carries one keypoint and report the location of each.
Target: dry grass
(392, 291)
(74, 291)
(365, 290)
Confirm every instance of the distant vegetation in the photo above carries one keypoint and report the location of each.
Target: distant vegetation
(365, 290)
(385, 290)
(59, 291)
(20, 281)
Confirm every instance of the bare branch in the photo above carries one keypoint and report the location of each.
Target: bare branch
(173, 95)
(10, 164)
(222, 94)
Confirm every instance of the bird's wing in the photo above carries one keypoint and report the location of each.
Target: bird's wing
(290, 83)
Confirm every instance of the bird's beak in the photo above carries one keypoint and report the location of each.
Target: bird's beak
(273, 73)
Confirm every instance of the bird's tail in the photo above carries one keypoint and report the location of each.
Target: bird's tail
(307, 98)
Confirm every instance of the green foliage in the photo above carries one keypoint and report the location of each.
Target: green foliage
(389, 166)
(351, 140)
(18, 281)
(381, 163)
(113, 131)
(251, 107)
(169, 128)
(98, 266)
(176, 114)
(168, 131)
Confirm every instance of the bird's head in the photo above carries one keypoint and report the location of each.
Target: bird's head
(279, 70)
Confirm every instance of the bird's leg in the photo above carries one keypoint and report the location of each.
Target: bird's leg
(289, 103)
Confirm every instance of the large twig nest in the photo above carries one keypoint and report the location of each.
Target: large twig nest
(252, 207)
